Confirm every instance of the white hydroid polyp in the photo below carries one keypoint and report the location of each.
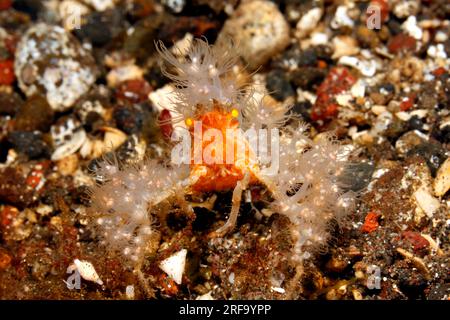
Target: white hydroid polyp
(202, 76)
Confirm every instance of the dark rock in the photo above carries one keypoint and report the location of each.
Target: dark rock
(395, 27)
(137, 42)
(416, 123)
(204, 219)
(35, 114)
(100, 27)
(176, 221)
(151, 129)
(432, 153)
(29, 143)
(57, 190)
(302, 109)
(278, 85)
(294, 58)
(307, 77)
(155, 77)
(13, 188)
(141, 8)
(129, 118)
(10, 103)
(442, 134)
(428, 99)
(30, 7)
(356, 176)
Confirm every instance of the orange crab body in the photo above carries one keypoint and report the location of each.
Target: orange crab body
(221, 174)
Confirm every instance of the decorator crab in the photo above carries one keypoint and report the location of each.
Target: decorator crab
(224, 146)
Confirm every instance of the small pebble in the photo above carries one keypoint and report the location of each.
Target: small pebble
(29, 143)
(308, 22)
(68, 136)
(35, 114)
(442, 181)
(260, 29)
(51, 61)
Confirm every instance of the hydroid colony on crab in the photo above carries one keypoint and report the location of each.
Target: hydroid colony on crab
(305, 187)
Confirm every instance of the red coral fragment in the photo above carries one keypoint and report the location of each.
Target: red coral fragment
(5, 4)
(408, 103)
(401, 42)
(168, 285)
(7, 215)
(339, 79)
(371, 222)
(439, 71)
(134, 91)
(418, 242)
(7, 76)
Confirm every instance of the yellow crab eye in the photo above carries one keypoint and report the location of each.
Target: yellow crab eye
(234, 113)
(188, 122)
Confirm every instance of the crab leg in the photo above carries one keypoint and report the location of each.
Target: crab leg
(235, 206)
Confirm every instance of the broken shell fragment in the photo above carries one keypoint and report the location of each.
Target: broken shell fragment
(442, 181)
(174, 265)
(308, 22)
(426, 201)
(87, 271)
(367, 68)
(68, 137)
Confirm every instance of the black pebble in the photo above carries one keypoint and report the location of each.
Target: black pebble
(303, 110)
(307, 77)
(415, 123)
(432, 153)
(356, 176)
(278, 84)
(204, 219)
(29, 143)
(30, 7)
(129, 118)
(100, 27)
(176, 222)
(442, 134)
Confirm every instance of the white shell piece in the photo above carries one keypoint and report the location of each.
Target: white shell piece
(174, 265)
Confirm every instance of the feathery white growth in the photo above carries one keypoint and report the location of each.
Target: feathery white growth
(121, 201)
(307, 187)
(203, 76)
(260, 113)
